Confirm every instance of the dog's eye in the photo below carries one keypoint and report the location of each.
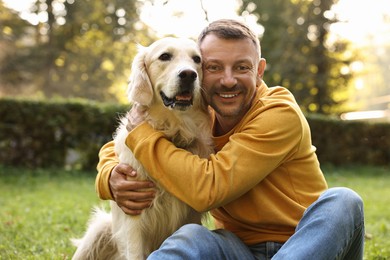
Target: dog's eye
(197, 59)
(165, 56)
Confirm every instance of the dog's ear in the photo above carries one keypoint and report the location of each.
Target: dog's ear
(140, 88)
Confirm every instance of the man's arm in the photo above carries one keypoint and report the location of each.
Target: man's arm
(261, 144)
(107, 162)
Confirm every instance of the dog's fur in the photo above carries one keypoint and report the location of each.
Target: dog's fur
(165, 79)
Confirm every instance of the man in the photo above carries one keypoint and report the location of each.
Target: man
(263, 185)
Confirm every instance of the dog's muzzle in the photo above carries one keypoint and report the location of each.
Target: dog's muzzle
(184, 98)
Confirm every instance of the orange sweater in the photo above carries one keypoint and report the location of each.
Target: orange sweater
(263, 176)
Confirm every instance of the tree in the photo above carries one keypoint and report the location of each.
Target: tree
(81, 48)
(299, 52)
(12, 31)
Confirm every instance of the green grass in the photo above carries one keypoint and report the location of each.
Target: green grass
(42, 209)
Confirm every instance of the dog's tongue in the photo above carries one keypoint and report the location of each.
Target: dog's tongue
(183, 97)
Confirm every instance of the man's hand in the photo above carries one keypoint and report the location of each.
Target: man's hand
(131, 196)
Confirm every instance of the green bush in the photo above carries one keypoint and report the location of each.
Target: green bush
(70, 134)
(350, 142)
(55, 134)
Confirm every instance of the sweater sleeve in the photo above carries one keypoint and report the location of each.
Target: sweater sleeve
(258, 147)
(107, 161)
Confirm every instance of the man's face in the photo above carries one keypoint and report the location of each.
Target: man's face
(230, 73)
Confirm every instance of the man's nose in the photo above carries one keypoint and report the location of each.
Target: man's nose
(228, 79)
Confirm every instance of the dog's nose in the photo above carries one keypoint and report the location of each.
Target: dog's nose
(187, 79)
(188, 75)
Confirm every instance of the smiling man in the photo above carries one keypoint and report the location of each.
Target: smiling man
(263, 185)
(230, 81)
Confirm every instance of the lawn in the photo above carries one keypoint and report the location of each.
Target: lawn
(42, 209)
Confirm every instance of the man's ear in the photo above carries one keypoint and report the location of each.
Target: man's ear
(140, 88)
(260, 70)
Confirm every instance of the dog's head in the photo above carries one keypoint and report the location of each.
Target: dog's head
(168, 71)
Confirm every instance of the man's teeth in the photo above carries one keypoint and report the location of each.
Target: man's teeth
(228, 95)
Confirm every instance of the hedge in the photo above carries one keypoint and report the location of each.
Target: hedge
(55, 134)
(70, 134)
(350, 142)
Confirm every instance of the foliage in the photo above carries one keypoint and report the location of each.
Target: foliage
(42, 134)
(300, 54)
(83, 48)
(11, 34)
(55, 205)
(70, 134)
(373, 77)
(348, 142)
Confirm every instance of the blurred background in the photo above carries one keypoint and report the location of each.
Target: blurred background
(333, 55)
(64, 66)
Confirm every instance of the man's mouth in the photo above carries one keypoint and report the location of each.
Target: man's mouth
(227, 95)
(181, 101)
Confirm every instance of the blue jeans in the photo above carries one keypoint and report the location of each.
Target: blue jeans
(331, 228)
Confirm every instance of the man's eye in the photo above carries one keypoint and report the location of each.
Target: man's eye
(165, 56)
(243, 68)
(213, 68)
(196, 59)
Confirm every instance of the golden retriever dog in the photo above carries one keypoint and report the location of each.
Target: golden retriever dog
(165, 80)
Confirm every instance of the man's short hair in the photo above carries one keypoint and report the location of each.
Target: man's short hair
(230, 29)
